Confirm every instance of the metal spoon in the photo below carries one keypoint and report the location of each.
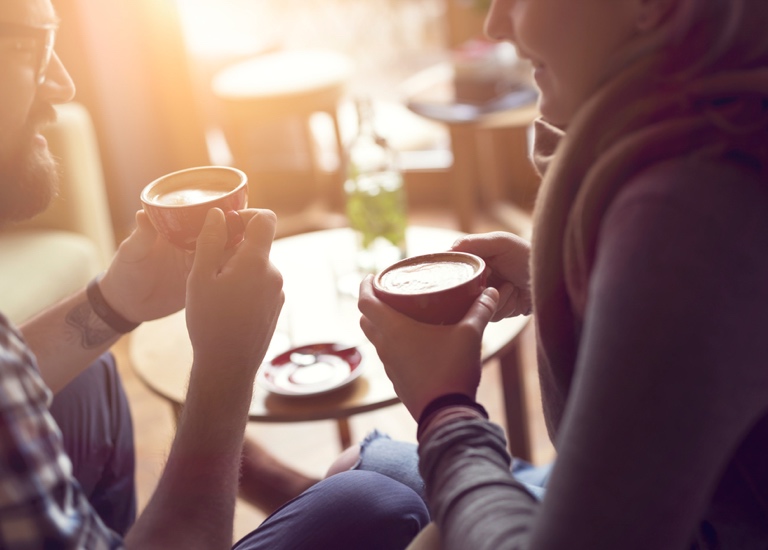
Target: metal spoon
(307, 358)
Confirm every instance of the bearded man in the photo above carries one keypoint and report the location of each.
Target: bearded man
(66, 438)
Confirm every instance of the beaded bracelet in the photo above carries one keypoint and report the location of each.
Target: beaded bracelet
(104, 311)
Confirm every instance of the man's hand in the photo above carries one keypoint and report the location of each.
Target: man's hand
(147, 277)
(234, 296)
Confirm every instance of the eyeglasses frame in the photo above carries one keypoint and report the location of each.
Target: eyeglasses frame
(44, 35)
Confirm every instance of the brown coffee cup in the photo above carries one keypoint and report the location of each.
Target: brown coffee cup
(436, 288)
(178, 203)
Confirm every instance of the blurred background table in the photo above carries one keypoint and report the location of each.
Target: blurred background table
(489, 143)
(315, 311)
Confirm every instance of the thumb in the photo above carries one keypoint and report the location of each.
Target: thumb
(211, 242)
(482, 310)
(141, 238)
(144, 225)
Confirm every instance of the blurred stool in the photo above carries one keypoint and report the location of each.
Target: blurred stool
(265, 106)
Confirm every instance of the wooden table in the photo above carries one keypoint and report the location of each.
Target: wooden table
(489, 144)
(316, 311)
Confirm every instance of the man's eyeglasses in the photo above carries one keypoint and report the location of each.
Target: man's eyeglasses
(40, 39)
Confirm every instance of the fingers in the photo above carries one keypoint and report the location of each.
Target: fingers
(138, 244)
(492, 244)
(369, 330)
(235, 228)
(211, 242)
(248, 213)
(260, 226)
(482, 310)
(368, 304)
(364, 300)
(143, 223)
(508, 294)
(512, 301)
(144, 234)
(366, 287)
(372, 310)
(211, 254)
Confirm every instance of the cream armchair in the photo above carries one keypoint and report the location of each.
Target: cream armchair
(53, 255)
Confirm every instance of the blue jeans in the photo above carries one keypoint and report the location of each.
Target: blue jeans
(378, 504)
(400, 460)
(353, 510)
(95, 421)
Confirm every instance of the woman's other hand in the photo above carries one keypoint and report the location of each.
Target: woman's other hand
(508, 257)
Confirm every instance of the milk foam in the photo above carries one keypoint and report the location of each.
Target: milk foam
(426, 277)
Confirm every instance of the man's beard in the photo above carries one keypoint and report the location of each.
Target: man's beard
(29, 178)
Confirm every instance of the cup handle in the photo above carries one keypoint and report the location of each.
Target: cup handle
(235, 228)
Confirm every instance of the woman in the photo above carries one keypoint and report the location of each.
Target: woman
(649, 285)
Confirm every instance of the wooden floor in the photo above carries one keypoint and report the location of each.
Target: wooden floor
(311, 446)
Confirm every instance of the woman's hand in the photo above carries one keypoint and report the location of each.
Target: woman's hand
(426, 361)
(508, 257)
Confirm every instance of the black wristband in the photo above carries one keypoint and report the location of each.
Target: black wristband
(449, 400)
(104, 311)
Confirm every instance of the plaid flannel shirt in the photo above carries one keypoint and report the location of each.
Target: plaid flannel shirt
(41, 504)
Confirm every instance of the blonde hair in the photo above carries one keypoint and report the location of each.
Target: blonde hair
(696, 85)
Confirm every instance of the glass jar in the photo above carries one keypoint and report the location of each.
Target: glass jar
(376, 203)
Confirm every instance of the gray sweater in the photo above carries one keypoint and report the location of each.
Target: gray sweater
(661, 428)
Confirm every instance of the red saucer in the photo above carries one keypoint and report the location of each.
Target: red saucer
(311, 369)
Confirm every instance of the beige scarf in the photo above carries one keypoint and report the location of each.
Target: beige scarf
(632, 123)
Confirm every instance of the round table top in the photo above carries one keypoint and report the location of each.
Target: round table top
(315, 310)
(431, 93)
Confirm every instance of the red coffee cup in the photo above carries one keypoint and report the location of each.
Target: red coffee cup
(433, 288)
(178, 203)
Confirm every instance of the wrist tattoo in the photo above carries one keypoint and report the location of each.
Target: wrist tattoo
(93, 331)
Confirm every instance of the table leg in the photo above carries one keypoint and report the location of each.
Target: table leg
(345, 434)
(515, 405)
(463, 174)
